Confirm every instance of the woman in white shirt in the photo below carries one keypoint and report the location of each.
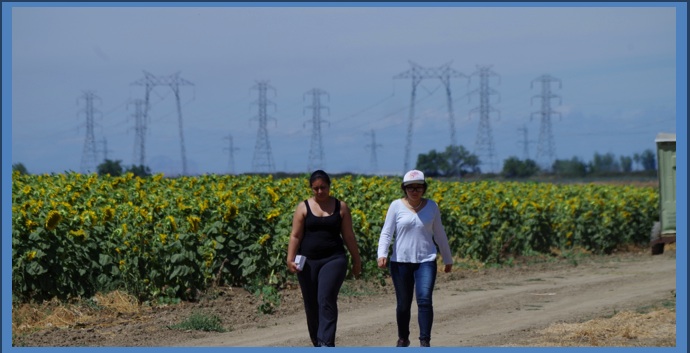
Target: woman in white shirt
(416, 223)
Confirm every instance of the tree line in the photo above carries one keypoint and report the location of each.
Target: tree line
(108, 167)
(457, 161)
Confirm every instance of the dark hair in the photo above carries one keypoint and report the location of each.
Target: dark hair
(319, 174)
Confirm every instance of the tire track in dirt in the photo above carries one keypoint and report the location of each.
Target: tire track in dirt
(486, 311)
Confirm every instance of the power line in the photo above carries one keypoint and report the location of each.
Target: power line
(105, 151)
(417, 74)
(485, 142)
(263, 158)
(231, 151)
(525, 142)
(140, 121)
(546, 149)
(373, 161)
(89, 161)
(173, 81)
(316, 152)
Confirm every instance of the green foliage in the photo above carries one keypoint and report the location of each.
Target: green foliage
(110, 167)
(432, 163)
(606, 164)
(20, 168)
(515, 168)
(139, 170)
(455, 161)
(626, 164)
(167, 301)
(170, 239)
(648, 160)
(200, 322)
(602, 164)
(269, 297)
(59, 257)
(570, 168)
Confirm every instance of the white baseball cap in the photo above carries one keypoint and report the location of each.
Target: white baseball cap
(413, 177)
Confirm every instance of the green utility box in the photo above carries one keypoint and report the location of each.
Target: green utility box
(664, 231)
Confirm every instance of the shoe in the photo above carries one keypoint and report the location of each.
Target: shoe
(403, 343)
(424, 343)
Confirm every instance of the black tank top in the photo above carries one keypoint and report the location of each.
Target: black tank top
(321, 237)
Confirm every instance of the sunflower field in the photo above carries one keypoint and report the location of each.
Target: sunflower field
(74, 235)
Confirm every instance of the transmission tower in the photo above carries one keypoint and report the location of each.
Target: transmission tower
(104, 142)
(89, 160)
(546, 148)
(174, 82)
(484, 145)
(231, 150)
(417, 74)
(140, 133)
(263, 158)
(316, 155)
(525, 142)
(373, 162)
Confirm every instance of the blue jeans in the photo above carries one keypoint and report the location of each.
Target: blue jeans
(414, 279)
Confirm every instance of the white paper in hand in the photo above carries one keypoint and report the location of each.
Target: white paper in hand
(299, 260)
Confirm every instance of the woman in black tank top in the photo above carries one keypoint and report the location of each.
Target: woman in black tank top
(321, 237)
(321, 226)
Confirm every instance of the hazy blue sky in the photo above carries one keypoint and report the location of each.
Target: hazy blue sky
(617, 67)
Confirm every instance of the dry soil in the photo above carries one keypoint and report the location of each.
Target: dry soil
(508, 306)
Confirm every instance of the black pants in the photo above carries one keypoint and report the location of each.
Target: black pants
(320, 281)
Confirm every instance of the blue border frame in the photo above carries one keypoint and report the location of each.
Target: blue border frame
(682, 175)
(681, 111)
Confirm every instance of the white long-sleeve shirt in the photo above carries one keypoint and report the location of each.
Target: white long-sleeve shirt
(415, 234)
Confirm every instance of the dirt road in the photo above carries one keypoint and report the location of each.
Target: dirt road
(502, 307)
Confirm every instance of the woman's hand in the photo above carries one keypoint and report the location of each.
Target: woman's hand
(448, 268)
(356, 269)
(292, 266)
(382, 261)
